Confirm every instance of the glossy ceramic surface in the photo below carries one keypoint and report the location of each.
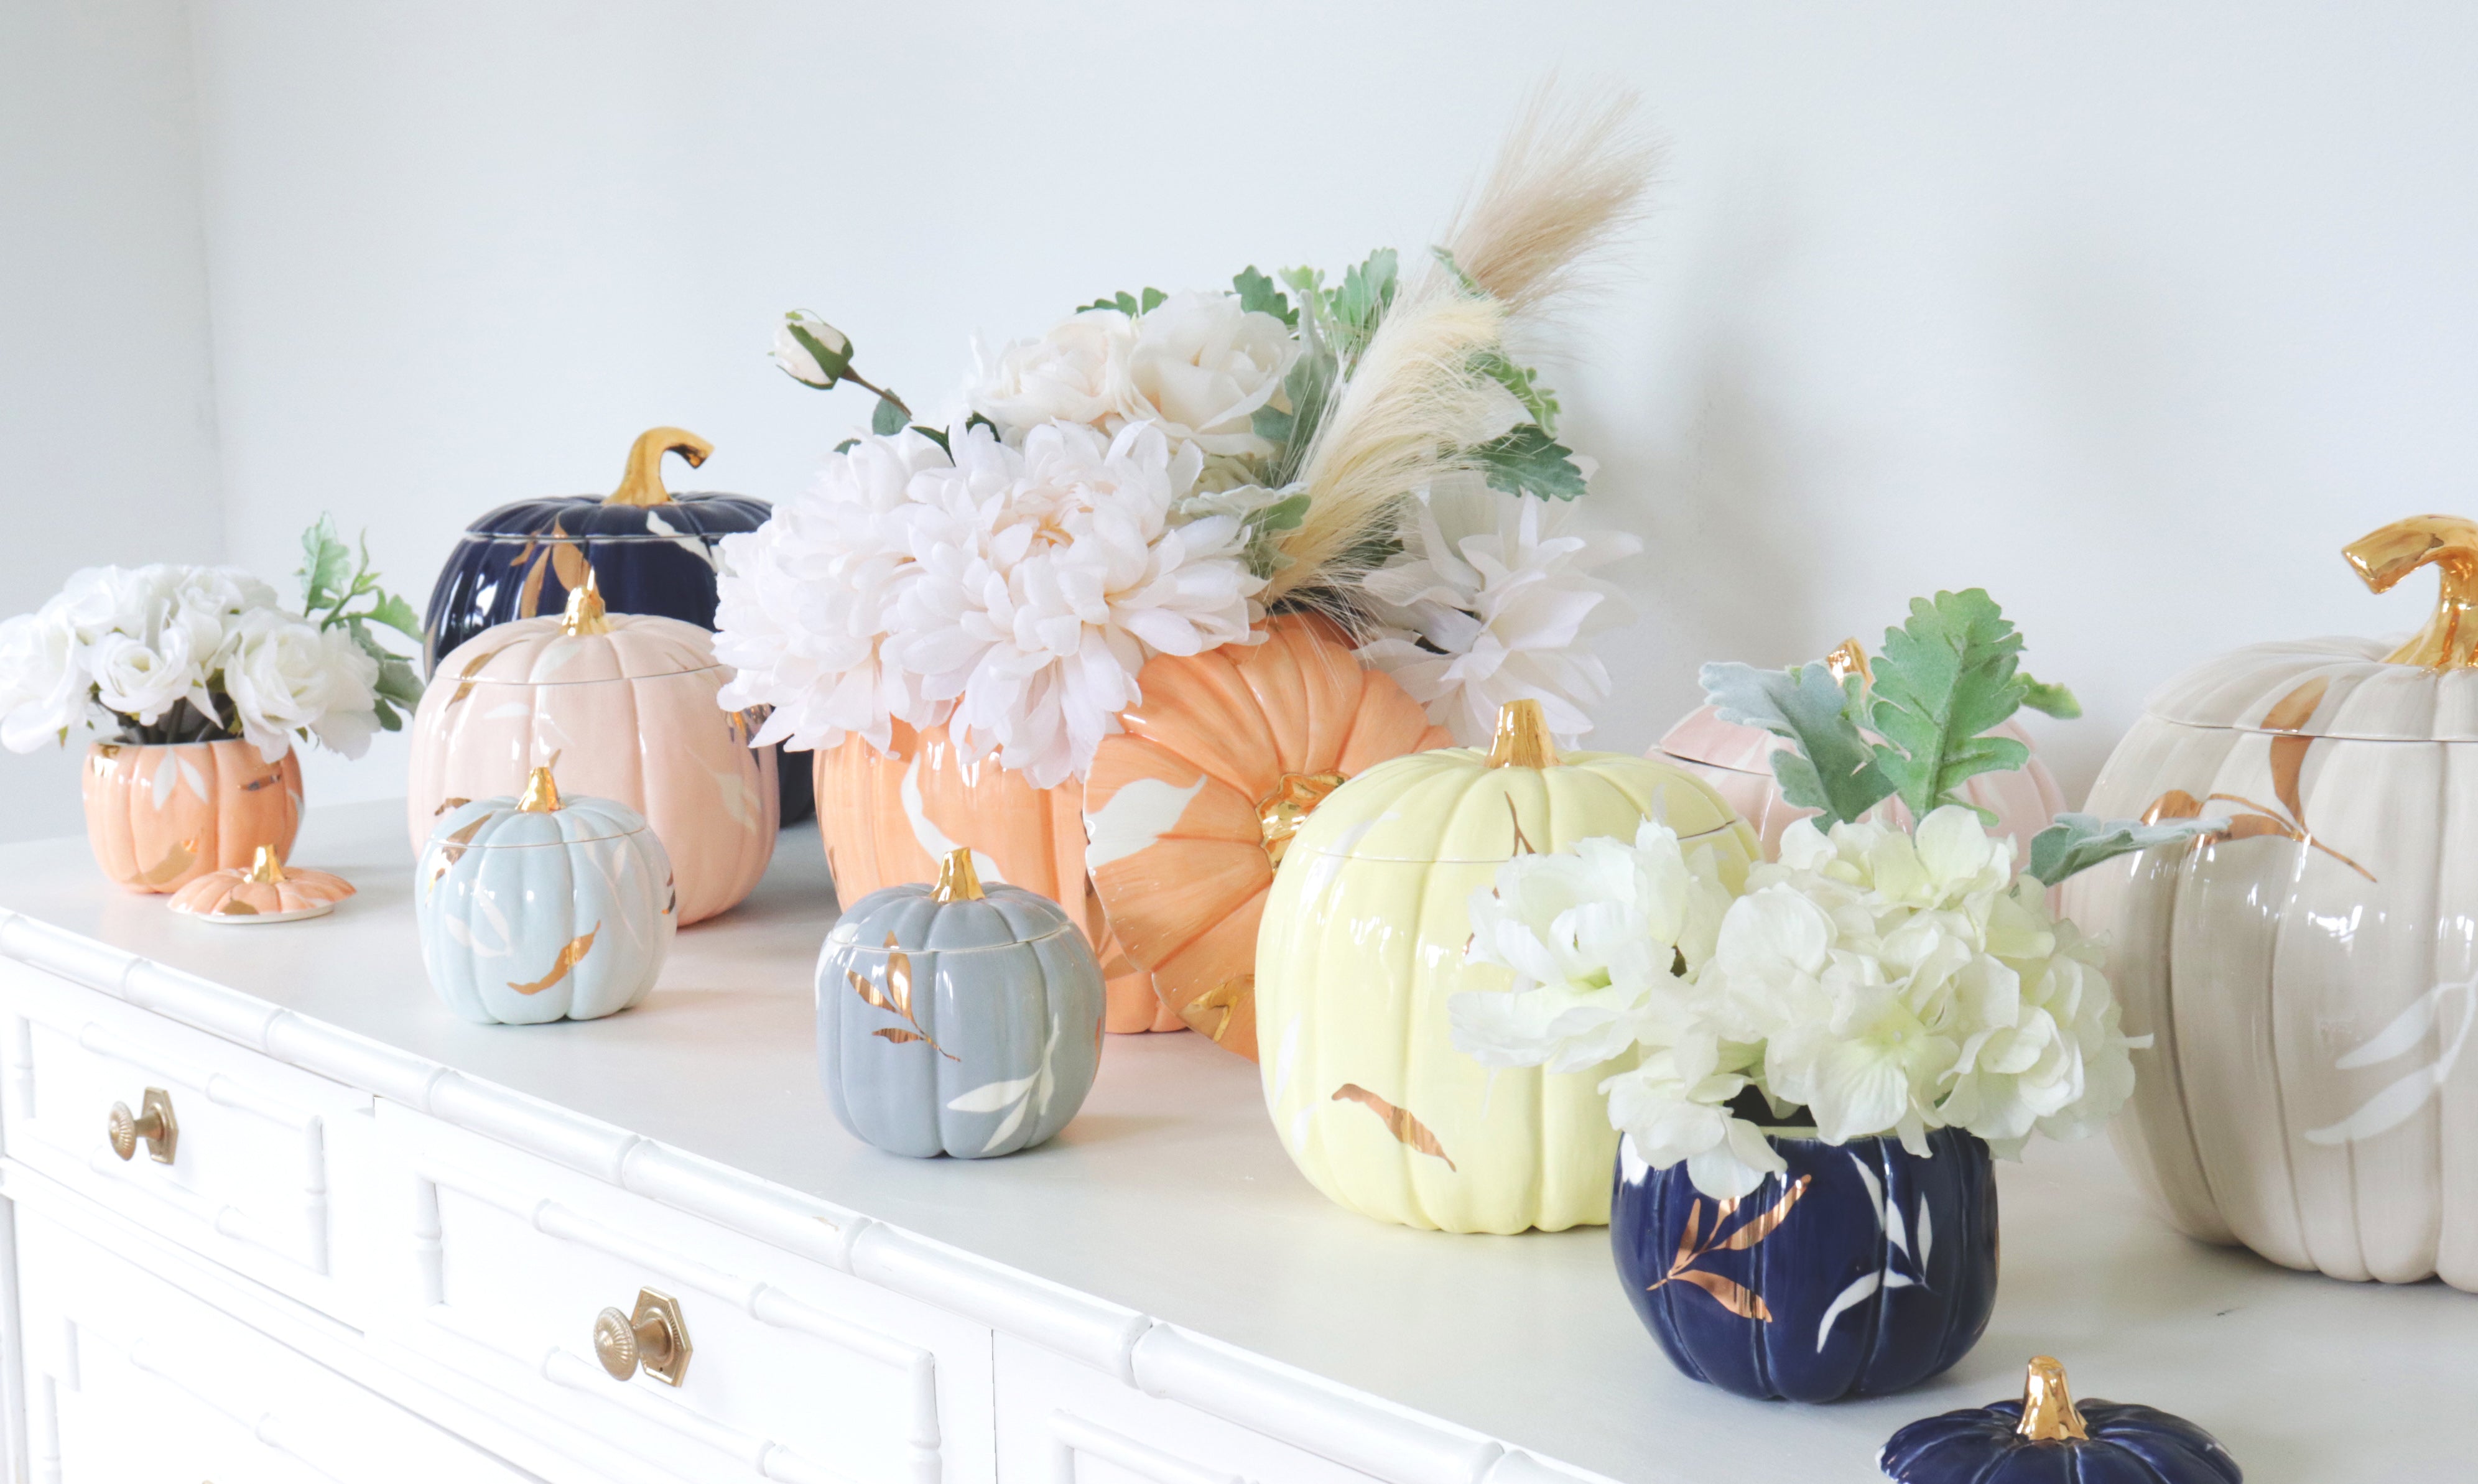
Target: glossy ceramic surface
(529, 917)
(628, 714)
(1737, 761)
(968, 1029)
(2127, 1445)
(1863, 1270)
(1362, 944)
(2310, 976)
(1177, 805)
(238, 899)
(160, 816)
(889, 818)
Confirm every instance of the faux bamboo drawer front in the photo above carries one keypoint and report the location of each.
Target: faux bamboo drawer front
(501, 1262)
(129, 1378)
(268, 1161)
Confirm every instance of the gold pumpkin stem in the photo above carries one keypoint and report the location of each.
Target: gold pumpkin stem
(2449, 543)
(957, 881)
(585, 613)
(2048, 1411)
(542, 794)
(1522, 738)
(1851, 659)
(268, 869)
(643, 484)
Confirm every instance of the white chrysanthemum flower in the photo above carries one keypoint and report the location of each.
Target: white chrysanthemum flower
(1489, 602)
(807, 601)
(1048, 575)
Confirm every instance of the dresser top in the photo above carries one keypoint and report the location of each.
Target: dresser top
(1169, 1194)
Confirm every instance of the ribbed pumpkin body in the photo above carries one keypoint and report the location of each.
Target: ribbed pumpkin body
(969, 1028)
(160, 816)
(1737, 761)
(1863, 1270)
(531, 916)
(887, 818)
(2127, 1445)
(1361, 945)
(2311, 977)
(235, 897)
(628, 714)
(1189, 806)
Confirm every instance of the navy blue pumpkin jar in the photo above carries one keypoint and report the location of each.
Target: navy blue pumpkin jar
(1861, 1269)
(2046, 1439)
(651, 552)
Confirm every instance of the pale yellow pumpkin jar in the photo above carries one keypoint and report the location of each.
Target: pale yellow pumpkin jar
(1362, 945)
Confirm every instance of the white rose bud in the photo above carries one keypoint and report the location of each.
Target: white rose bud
(794, 352)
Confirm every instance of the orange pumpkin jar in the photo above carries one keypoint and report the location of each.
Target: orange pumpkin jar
(889, 818)
(161, 814)
(1191, 808)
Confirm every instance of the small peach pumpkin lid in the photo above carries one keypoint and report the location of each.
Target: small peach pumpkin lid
(264, 891)
(2421, 689)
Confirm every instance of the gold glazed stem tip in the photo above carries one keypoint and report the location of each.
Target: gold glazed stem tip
(1851, 659)
(2449, 543)
(957, 881)
(643, 483)
(542, 794)
(268, 869)
(1522, 738)
(2048, 1411)
(585, 613)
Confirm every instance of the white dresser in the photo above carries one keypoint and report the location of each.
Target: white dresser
(383, 1240)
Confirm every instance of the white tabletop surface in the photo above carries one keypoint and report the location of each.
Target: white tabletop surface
(1169, 1193)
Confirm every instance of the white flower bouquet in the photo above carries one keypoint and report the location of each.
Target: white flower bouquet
(172, 654)
(1159, 471)
(1872, 982)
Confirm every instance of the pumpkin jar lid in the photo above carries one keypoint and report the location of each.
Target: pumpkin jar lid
(555, 651)
(2425, 690)
(461, 821)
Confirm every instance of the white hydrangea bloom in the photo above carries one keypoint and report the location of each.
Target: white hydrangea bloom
(1489, 602)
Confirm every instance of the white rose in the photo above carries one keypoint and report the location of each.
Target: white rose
(1199, 369)
(1073, 375)
(100, 600)
(799, 362)
(206, 602)
(43, 679)
(135, 679)
(284, 676)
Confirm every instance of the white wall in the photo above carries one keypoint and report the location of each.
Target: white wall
(107, 405)
(2132, 315)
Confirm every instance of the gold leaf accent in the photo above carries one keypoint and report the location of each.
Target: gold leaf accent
(2266, 822)
(569, 958)
(529, 596)
(235, 907)
(473, 667)
(1735, 1297)
(1523, 844)
(898, 978)
(180, 858)
(461, 839)
(446, 804)
(1280, 814)
(1212, 1012)
(2175, 804)
(2287, 767)
(1407, 1130)
(2291, 712)
(568, 564)
(268, 782)
(869, 993)
(1756, 1230)
(1686, 1247)
(897, 1033)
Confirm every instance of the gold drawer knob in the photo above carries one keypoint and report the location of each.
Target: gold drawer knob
(653, 1337)
(154, 1123)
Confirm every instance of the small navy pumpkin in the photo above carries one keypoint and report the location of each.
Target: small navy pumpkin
(2045, 1439)
(953, 1019)
(651, 552)
(1861, 1270)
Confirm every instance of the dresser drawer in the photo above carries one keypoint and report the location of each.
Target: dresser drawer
(1064, 1423)
(266, 1160)
(501, 1263)
(129, 1379)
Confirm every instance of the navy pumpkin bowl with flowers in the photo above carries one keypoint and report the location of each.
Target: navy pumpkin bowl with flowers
(1861, 1270)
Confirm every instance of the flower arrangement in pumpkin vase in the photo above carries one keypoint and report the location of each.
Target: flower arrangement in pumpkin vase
(198, 680)
(1811, 1076)
(1186, 563)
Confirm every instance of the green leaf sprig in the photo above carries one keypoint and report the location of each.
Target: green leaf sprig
(815, 354)
(341, 590)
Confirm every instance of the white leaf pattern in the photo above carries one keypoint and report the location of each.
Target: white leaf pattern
(1861, 1289)
(991, 1096)
(1927, 1236)
(2398, 1101)
(1875, 1188)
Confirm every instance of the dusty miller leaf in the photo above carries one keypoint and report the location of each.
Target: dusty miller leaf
(1528, 461)
(1832, 767)
(1944, 679)
(2077, 842)
(326, 570)
(1258, 294)
(2051, 700)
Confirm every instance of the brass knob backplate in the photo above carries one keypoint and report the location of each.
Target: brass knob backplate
(653, 1338)
(153, 1124)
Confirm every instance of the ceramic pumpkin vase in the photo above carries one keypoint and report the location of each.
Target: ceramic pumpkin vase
(2046, 1439)
(268, 892)
(1192, 807)
(2309, 972)
(650, 551)
(956, 1018)
(623, 705)
(1737, 761)
(888, 819)
(161, 814)
(1363, 943)
(542, 908)
(1861, 1270)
